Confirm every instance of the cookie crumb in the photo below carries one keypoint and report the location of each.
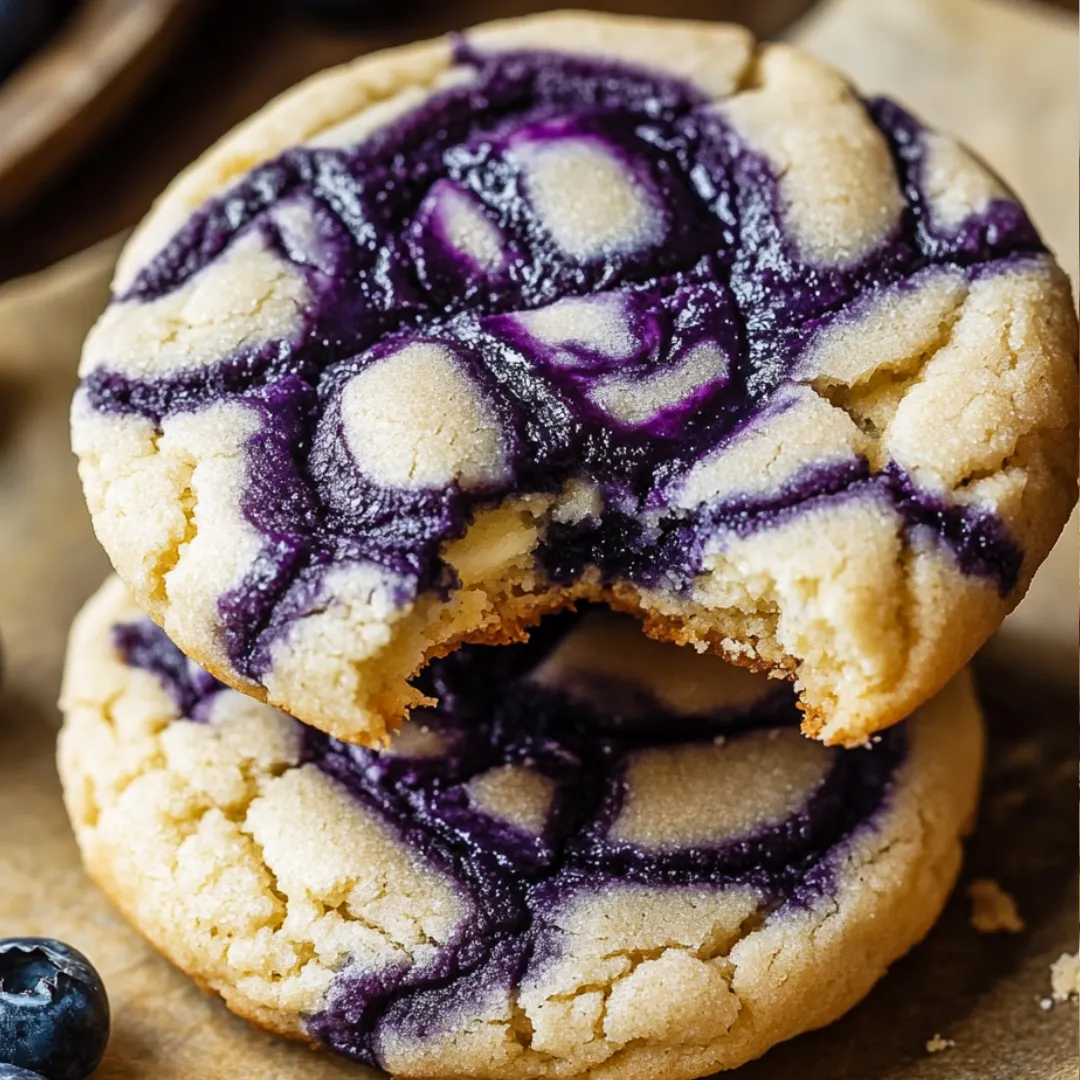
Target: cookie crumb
(937, 1044)
(719, 740)
(993, 910)
(1065, 977)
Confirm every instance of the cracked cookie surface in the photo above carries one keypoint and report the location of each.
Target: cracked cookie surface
(600, 854)
(582, 307)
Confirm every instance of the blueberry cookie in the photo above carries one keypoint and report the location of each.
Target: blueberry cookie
(601, 854)
(582, 307)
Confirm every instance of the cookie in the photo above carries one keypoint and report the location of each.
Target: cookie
(601, 854)
(572, 307)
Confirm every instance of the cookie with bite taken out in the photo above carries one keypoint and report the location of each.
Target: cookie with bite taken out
(579, 307)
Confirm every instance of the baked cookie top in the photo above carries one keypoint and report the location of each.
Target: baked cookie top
(579, 306)
(600, 854)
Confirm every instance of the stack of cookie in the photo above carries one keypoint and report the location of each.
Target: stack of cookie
(464, 426)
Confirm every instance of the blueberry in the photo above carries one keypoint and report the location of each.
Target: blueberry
(54, 1015)
(12, 1072)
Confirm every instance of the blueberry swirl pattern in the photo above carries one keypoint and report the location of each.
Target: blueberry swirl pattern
(669, 321)
(599, 852)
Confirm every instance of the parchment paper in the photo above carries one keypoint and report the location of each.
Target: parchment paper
(1002, 75)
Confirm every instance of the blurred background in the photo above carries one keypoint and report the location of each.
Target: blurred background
(102, 102)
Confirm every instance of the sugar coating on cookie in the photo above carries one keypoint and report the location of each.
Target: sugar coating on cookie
(582, 307)
(462, 224)
(401, 439)
(589, 201)
(600, 854)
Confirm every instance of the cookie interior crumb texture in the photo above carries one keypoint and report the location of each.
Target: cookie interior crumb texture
(511, 891)
(582, 307)
(993, 910)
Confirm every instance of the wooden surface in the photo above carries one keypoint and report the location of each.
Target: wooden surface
(242, 53)
(55, 105)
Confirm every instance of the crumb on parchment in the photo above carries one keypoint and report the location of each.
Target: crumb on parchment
(1065, 977)
(937, 1044)
(993, 910)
